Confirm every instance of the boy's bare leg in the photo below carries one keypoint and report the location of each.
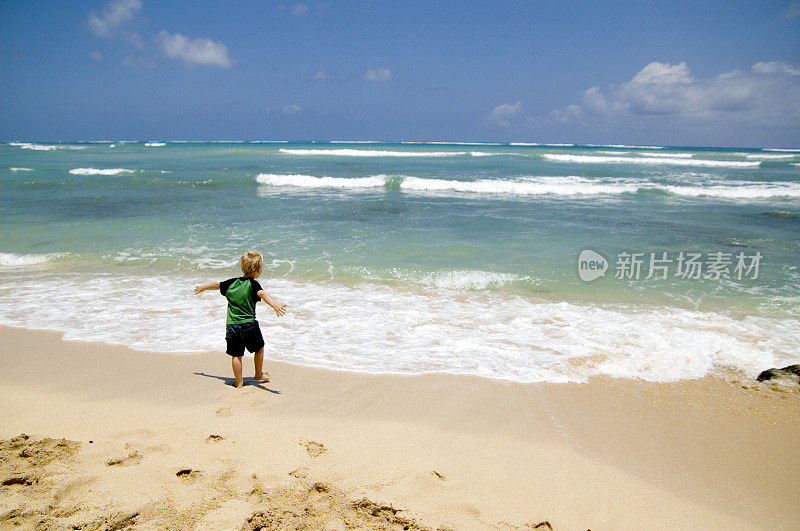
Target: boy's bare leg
(236, 363)
(258, 359)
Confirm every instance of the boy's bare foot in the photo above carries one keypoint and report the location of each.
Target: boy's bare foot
(239, 384)
(263, 377)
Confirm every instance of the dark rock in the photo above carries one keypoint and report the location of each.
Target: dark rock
(19, 480)
(789, 373)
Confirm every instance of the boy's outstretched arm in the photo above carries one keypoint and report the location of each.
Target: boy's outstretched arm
(279, 310)
(204, 287)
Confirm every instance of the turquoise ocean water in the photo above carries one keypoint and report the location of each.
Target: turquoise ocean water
(415, 257)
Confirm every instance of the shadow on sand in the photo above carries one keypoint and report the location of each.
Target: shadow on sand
(250, 381)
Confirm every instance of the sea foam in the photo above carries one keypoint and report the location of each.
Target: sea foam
(379, 329)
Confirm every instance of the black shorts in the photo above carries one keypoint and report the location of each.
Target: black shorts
(241, 336)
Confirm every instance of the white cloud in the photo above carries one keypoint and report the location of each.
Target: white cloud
(570, 113)
(96, 55)
(292, 109)
(299, 9)
(502, 114)
(194, 52)
(776, 67)
(322, 75)
(594, 99)
(116, 13)
(770, 95)
(379, 74)
(663, 74)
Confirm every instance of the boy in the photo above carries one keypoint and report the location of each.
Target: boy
(242, 330)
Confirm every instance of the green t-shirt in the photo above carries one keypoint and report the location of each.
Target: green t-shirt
(242, 295)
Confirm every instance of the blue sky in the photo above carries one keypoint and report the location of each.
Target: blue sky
(723, 73)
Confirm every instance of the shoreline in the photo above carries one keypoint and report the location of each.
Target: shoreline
(450, 451)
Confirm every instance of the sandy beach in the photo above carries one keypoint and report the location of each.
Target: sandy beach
(117, 438)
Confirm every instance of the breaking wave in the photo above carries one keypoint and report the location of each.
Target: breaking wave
(384, 153)
(664, 160)
(532, 186)
(44, 147)
(95, 171)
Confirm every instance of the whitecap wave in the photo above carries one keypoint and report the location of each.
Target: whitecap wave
(309, 181)
(791, 150)
(19, 260)
(742, 190)
(769, 156)
(529, 186)
(664, 160)
(21, 169)
(383, 153)
(669, 155)
(44, 147)
(445, 143)
(155, 144)
(356, 142)
(624, 146)
(534, 186)
(96, 171)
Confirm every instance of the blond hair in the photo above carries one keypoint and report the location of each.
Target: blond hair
(251, 263)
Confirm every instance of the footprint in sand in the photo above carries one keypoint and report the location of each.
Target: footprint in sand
(188, 474)
(213, 438)
(153, 449)
(315, 449)
(133, 458)
(239, 394)
(142, 433)
(257, 403)
(224, 412)
(299, 473)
